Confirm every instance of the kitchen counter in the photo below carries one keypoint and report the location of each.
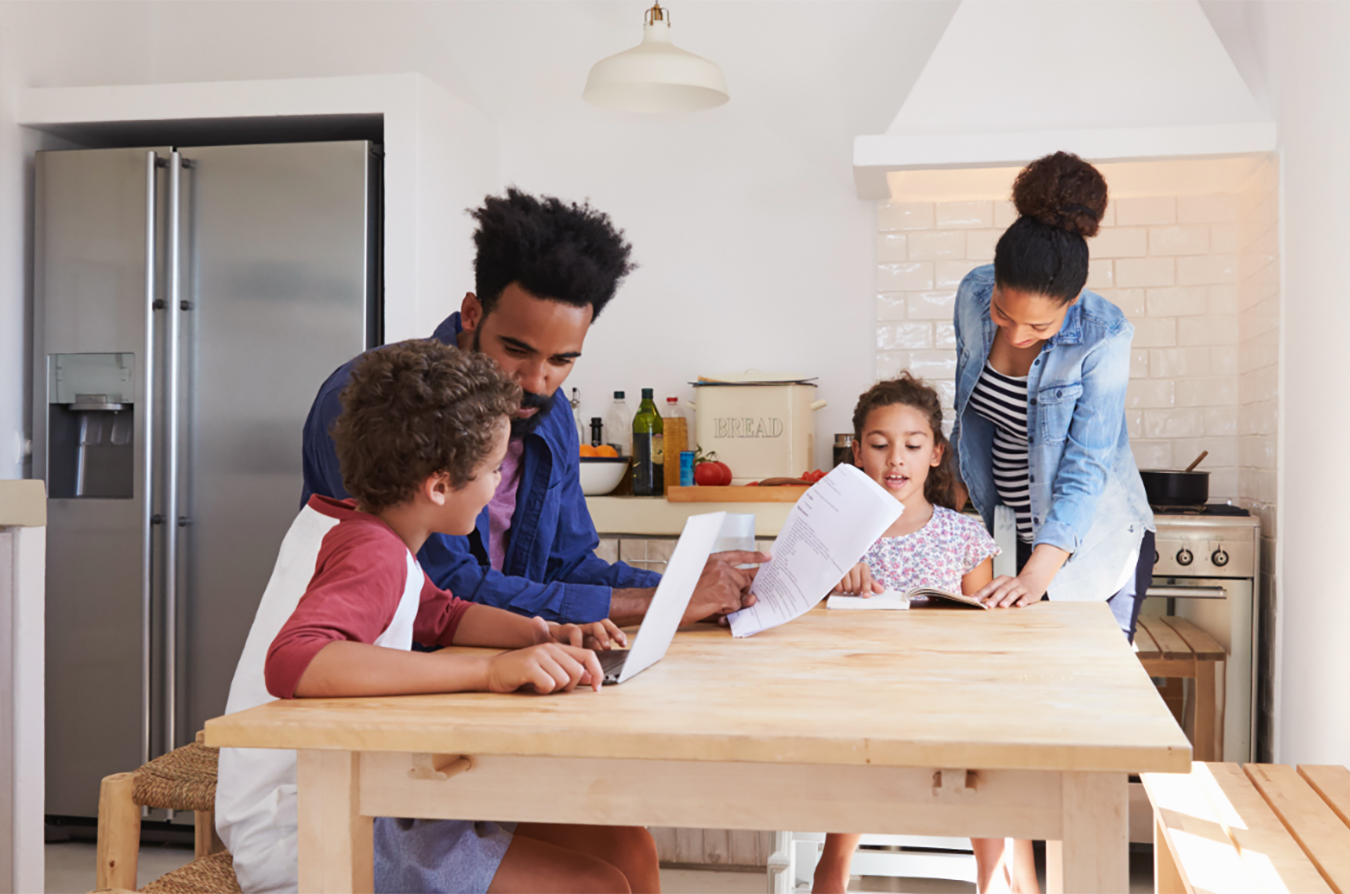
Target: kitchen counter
(23, 503)
(653, 516)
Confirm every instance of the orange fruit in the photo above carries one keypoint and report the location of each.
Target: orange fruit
(588, 450)
(606, 450)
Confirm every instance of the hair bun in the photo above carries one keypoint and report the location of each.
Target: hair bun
(1062, 191)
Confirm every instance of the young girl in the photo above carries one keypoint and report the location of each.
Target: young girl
(898, 442)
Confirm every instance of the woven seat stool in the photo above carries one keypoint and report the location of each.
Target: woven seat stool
(183, 779)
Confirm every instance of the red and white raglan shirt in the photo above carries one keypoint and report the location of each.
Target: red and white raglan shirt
(341, 574)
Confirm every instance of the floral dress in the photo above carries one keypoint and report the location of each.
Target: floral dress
(937, 555)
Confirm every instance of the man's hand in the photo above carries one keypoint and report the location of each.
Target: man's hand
(597, 635)
(723, 588)
(858, 582)
(550, 667)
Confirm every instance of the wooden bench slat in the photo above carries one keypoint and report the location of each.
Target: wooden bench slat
(1203, 853)
(1200, 642)
(1333, 784)
(1271, 854)
(1169, 641)
(1144, 646)
(1323, 835)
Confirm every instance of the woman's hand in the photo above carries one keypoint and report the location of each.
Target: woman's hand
(859, 582)
(1007, 592)
(1030, 585)
(550, 667)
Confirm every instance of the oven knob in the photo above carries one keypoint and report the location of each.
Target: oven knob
(1185, 556)
(1219, 558)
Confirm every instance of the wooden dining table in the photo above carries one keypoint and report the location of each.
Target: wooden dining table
(1018, 723)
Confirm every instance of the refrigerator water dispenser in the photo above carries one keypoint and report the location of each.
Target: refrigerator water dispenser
(91, 419)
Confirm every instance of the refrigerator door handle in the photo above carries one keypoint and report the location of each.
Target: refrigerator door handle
(152, 164)
(171, 427)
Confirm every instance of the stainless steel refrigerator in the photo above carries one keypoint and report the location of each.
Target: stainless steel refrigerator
(188, 304)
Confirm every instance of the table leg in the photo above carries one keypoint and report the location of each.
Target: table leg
(1205, 737)
(1094, 855)
(336, 844)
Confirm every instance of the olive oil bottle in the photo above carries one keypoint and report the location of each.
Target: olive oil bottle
(648, 449)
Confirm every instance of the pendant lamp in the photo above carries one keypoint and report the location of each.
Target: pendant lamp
(655, 75)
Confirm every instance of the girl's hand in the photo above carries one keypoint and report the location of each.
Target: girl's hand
(550, 667)
(1007, 592)
(603, 635)
(859, 582)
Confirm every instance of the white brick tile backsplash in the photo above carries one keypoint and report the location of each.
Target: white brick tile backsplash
(946, 389)
(936, 244)
(980, 244)
(1257, 451)
(1138, 363)
(1178, 301)
(1216, 208)
(1174, 363)
(1221, 422)
(931, 305)
(905, 216)
(1207, 330)
(1223, 360)
(1223, 238)
(1136, 210)
(1152, 454)
(1223, 484)
(944, 335)
(1130, 301)
(1222, 451)
(1208, 391)
(1004, 214)
(1178, 240)
(965, 215)
(912, 276)
(1155, 332)
(1109, 216)
(933, 364)
(891, 306)
(1101, 274)
(1131, 272)
(1146, 394)
(1134, 423)
(1119, 242)
(889, 363)
(1207, 269)
(904, 336)
(891, 248)
(1188, 423)
(1223, 299)
(950, 273)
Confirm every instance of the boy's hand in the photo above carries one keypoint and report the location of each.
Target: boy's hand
(550, 667)
(598, 635)
(859, 582)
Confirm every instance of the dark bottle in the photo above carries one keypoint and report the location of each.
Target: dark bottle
(648, 449)
(597, 431)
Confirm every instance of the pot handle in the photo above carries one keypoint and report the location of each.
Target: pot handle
(817, 404)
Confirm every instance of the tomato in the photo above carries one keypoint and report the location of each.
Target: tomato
(707, 475)
(813, 477)
(726, 472)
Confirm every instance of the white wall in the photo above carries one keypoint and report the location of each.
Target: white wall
(1308, 75)
(743, 218)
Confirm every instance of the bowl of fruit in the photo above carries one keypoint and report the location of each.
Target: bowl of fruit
(601, 469)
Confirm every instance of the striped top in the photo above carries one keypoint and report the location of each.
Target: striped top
(1003, 401)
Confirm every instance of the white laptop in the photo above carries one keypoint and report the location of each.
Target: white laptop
(668, 605)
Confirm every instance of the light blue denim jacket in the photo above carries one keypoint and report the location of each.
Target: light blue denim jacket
(1086, 494)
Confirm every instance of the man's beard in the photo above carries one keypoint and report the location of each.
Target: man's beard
(522, 427)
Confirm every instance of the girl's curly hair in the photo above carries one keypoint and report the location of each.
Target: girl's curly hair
(940, 487)
(414, 409)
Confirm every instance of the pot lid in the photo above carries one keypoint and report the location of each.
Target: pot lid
(754, 377)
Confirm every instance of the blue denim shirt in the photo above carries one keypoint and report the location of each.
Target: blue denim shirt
(1086, 494)
(550, 568)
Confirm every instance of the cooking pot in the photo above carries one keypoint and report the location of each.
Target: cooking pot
(1170, 488)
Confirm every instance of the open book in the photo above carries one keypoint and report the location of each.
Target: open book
(920, 597)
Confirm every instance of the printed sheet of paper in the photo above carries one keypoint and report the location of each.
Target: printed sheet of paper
(827, 532)
(889, 600)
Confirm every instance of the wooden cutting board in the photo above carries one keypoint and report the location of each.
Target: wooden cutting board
(734, 494)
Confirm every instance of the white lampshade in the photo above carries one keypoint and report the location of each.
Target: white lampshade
(655, 75)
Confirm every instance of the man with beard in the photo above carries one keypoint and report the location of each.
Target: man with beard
(544, 271)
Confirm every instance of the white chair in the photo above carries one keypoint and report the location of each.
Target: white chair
(792, 865)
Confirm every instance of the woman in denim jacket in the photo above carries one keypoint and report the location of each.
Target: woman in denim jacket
(1041, 372)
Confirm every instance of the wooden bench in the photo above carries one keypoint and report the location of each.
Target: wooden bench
(1173, 647)
(1235, 828)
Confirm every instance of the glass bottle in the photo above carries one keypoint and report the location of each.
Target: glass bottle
(597, 431)
(619, 426)
(675, 440)
(648, 449)
(576, 415)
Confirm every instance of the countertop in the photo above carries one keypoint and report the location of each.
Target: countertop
(653, 516)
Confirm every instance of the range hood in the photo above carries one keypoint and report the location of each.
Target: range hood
(1111, 80)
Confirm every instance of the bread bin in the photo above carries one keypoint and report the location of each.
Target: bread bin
(762, 425)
